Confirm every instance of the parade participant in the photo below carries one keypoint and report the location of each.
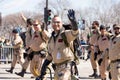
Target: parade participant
(103, 44)
(59, 53)
(18, 51)
(28, 37)
(93, 38)
(38, 45)
(114, 53)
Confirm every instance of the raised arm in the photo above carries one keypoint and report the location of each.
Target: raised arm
(71, 16)
(23, 17)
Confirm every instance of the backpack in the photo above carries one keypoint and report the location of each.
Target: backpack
(42, 37)
(30, 32)
(76, 59)
(71, 47)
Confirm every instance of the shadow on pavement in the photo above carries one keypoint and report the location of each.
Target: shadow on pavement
(9, 78)
(3, 73)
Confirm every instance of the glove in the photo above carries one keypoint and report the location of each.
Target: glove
(43, 69)
(95, 55)
(71, 16)
(107, 49)
(100, 61)
(27, 49)
(30, 55)
(25, 55)
(99, 52)
(39, 78)
(54, 66)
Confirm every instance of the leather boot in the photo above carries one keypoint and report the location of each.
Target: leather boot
(95, 75)
(110, 77)
(92, 75)
(21, 73)
(11, 70)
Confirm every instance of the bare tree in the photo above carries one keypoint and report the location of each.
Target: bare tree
(15, 20)
(57, 6)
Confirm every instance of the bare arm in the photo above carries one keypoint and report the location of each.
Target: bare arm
(23, 17)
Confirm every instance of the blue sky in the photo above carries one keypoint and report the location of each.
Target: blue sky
(12, 6)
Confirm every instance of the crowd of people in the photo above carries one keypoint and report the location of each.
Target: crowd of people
(104, 51)
(43, 48)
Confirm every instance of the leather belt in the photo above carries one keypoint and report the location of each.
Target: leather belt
(117, 60)
(41, 53)
(65, 64)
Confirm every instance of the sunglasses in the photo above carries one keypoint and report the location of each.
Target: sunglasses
(35, 24)
(93, 24)
(116, 28)
(56, 22)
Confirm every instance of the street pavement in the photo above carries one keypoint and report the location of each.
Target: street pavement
(84, 67)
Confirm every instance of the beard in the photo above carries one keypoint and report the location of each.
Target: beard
(93, 27)
(116, 33)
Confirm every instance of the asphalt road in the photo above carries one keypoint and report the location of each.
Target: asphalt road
(84, 67)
